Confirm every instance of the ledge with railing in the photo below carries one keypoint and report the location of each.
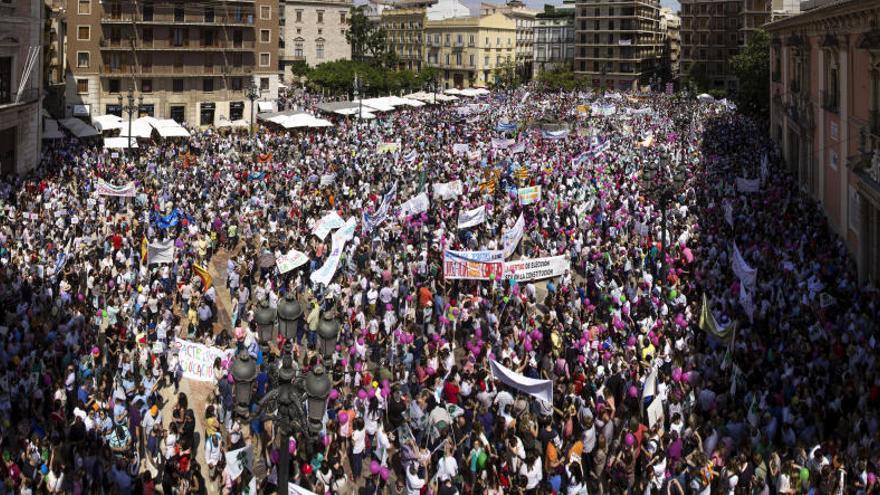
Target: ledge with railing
(30, 95)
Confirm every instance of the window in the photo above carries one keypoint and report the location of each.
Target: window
(265, 12)
(208, 84)
(447, 59)
(265, 60)
(236, 110)
(264, 84)
(82, 59)
(146, 85)
(114, 110)
(209, 14)
(320, 16)
(473, 60)
(84, 7)
(178, 13)
(299, 16)
(832, 159)
(342, 17)
(319, 49)
(237, 84)
(177, 85)
(82, 86)
(298, 49)
(148, 36)
(177, 37)
(148, 12)
(264, 35)
(84, 33)
(206, 113)
(458, 59)
(486, 61)
(854, 209)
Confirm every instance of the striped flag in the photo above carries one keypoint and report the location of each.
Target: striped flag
(202, 273)
(521, 173)
(411, 156)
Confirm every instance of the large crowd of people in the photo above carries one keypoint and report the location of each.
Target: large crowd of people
(738, 357)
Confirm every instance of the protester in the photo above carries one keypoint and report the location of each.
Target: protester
(739, 357)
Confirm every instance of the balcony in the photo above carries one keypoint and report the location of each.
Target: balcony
(179, 71)
(161, 20)
(830, 101)
(30, 95)
(168, 45)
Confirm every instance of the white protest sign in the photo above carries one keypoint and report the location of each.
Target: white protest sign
(510, 239)
(328, 223)
(197, 360)
(238, 460)
(293, 259)
(448, 190)
(416, 205)
(536, 269)
(472, 218)
(160, 252)
(655, 412)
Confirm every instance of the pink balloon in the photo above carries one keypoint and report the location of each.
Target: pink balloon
(334, 394)
(352, 351)
(384, 473)
(358, 366)
(343, 362)
(360, 341)
(430, 371)
(371, 392)
(676, 374)
(362, 394)
(291, 446)
(581, 358)
(631, 341)
(630, 439)
(325, 440)
(528, 346)
(343, 417)
(374, 467)
(633, 391)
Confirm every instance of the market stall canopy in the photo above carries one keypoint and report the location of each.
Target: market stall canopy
(472, 92)
(79, 128)
(51, 130)
(170, 128)
(140, 128)
(118, 142)
(453, 91)
(297, 120)
(107, 122)
(265, 106)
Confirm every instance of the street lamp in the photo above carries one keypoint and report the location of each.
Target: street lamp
(663, 180)
(265, 318)
(317, 386)
(130, 108)
(289, 314)
(244, 372)
(253, 93)
(328, 331)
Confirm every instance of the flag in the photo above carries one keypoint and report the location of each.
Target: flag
(488, 187)
(411, 156)
(202, 273)
(521, 173)
(710, 326)
(144, 249)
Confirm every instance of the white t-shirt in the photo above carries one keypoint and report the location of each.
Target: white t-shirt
(534, 475)
(358, 441)
(447, 468)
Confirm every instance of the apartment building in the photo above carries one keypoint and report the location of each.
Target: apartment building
(313, 31)
(825, 115)
(471, 51)
(404, 23)
(670, 26)
(618, 44)
(524, 18)
(21, 86)
(191, 62)
(554, 38)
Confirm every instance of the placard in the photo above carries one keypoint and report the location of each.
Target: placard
(197, 360)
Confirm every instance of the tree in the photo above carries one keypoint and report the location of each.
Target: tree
(506, 75)
(367, 40)
(752, 67)
(299, 68)
(559, 78)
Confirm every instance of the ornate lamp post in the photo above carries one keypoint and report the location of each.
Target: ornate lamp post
(289, 315)
(328, 331)
(317, 386)
(663, 180)
(244, 371)
(265, 318)
(130, 108)
(253, 92)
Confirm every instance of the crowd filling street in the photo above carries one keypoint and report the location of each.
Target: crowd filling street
(536, 293)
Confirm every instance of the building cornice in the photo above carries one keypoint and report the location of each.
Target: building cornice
(836, 15)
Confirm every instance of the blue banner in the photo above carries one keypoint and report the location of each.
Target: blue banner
(506, 127)
(169, 220)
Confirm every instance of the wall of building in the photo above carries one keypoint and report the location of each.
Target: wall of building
(490, 42)
(314, 32)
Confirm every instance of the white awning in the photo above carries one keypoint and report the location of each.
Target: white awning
(365, 116)
(140, 128)
(346, 111)
(79, 128)
(51, 131)
(240, 124)
(453, 91)
(107, 122)
(299, 120)
(170, 128)
(119, 142)
(265, 106)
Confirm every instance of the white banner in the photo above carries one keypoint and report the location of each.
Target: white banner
(160, 252)
(463, 265)
(238, 460)
(748, 305)
(325, 274)
(197, 360)
(655, 412)
(346, 232)
(105, 188)
(328, 223)
(526, 270)
(486, 256)
(293, 259)
(460, 148)
(448, 190)
(746, 274)
(540, 389)
(472, 218)
(510, 239)
(501, 143)
(416, 205)
(748, 185)
(728, 211)
(327, 179)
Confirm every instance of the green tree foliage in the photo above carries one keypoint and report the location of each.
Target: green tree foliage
(337, 78)
(506, 75)
(560, 78)
(752, 67)
(299, 68)
(368, 41)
